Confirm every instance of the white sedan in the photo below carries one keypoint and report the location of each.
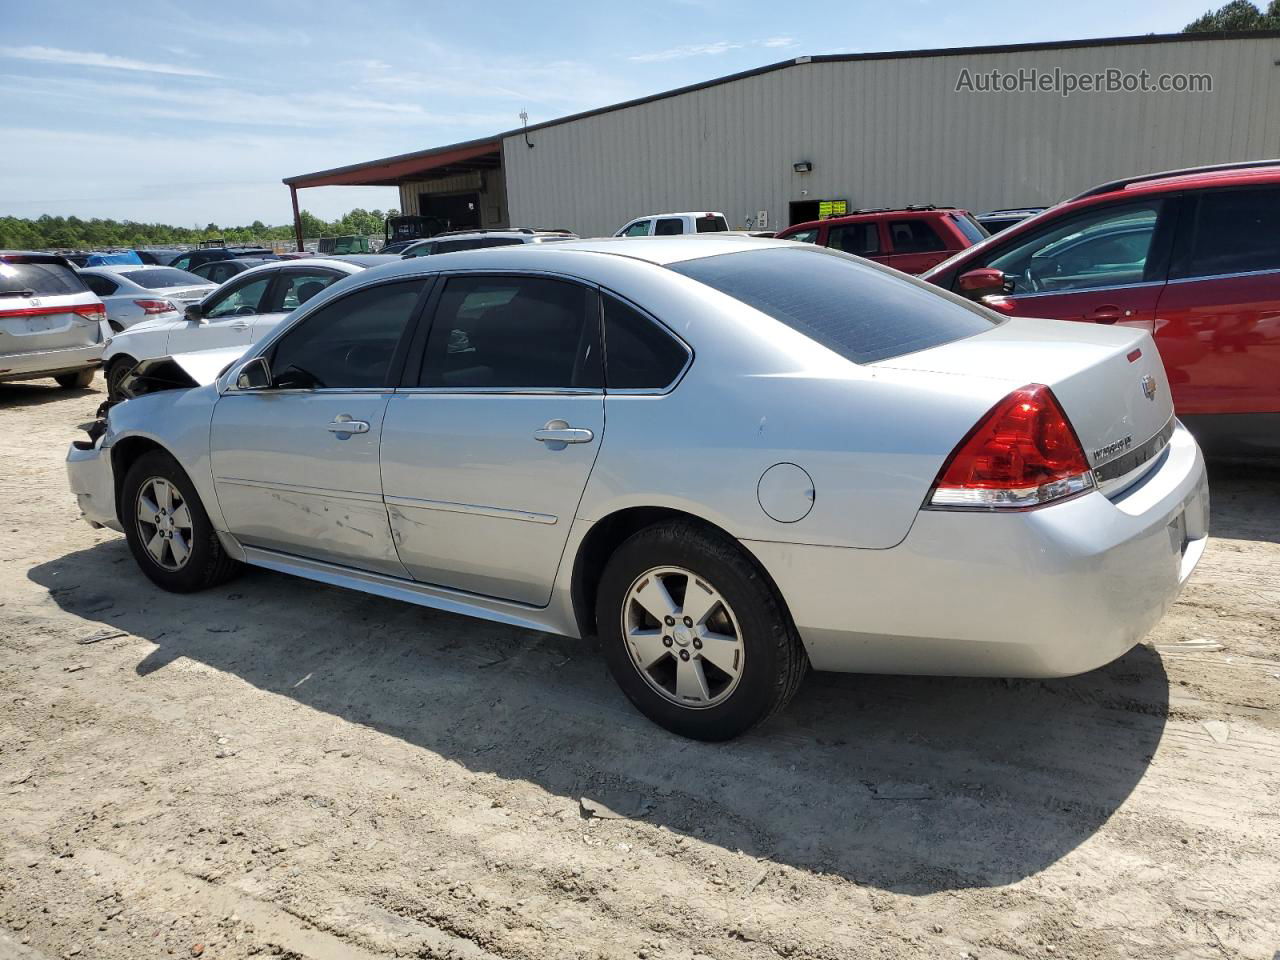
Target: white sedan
(134, 292)
(236, 314)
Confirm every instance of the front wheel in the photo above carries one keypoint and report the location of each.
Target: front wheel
(79, 380)
(694, 633)
(116, 371)
(169, 533)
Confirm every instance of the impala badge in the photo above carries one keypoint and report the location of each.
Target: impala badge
(1149, 386)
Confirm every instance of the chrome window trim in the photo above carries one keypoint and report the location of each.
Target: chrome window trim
(505, 391)
(472, 509)
(1077, 290)
(1200, 278)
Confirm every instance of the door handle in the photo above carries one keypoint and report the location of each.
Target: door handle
(1110, 313)
(239, 325)
(559, 432)
(343, 423)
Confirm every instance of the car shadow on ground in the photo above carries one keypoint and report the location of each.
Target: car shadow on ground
(909, 784)
(1244, 501)
(23, 394)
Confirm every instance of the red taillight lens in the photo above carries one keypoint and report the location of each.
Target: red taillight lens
(94, 311)
(150, 307)
(1023, 453)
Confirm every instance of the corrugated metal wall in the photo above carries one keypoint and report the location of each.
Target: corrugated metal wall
(895, 131)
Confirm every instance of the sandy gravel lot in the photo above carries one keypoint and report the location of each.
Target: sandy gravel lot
(277, 768)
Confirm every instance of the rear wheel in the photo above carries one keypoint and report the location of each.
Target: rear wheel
(79, 380)
(169, 533)
(116, 370)
(695, 634)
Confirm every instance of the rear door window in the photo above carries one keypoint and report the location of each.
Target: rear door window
(35, 279)
(514, 331)
(1236, 231)
(669, 227)
(861, 312)
(860, 239)
(914, 236)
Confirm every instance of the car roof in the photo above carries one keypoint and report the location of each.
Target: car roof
(656, 250)
(1225, 175)
(345, 264)
(683, 213)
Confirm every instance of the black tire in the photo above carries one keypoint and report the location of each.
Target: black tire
(773, 660)
(79, 380)
(207, 564)
(116, 370)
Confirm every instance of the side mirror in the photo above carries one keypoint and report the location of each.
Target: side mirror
(193, 313)
(254, 375)
(982, 282)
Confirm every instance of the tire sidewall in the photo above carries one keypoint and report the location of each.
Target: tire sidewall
(759, 616)
(204, 545)
(115, 372)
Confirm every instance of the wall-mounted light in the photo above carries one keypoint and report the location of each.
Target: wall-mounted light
(803, 166)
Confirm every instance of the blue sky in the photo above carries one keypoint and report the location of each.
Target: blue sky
(189, 113)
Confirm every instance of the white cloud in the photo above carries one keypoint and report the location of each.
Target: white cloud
(779, 42)
(686, 50)
(87, 58)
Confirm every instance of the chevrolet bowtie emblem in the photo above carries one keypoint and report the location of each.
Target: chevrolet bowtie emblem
(1149, 387)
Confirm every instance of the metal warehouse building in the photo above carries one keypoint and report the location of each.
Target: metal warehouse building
(874, 129)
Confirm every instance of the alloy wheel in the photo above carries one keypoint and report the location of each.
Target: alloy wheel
(682, 637)
(164, 523)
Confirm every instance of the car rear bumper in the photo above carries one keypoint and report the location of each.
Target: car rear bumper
(47, 363)
(90, 477)
(1049, 592)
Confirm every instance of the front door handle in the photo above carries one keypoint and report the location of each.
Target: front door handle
(558, 433)
(1109, 313)
(239, 325)
(343, 423)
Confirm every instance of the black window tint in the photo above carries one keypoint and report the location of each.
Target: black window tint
(639, 354)
(42, 279)
(514, 332)
(1236, 231)
(914, 236)
(861, 312)
(99, 285)
(452, 246)
(970, 227)
(710, 225)
(157, 277)
(348, 343)
(862, 239)
(501, 242)
(669, 227)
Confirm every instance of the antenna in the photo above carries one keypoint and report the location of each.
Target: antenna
(524, 125)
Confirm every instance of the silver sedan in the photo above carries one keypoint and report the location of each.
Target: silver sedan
(730, 459)
(133, 293)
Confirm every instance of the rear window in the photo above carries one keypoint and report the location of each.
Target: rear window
(38, 279)
(1236, 231)
(710, 225)
(164, 277)
(914, 236)
(858, 311)
(970, 227)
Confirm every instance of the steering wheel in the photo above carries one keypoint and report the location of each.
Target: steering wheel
(245, 311)
(1030, 280)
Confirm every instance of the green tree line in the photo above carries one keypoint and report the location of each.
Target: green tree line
(1237, 16)
(73, 233)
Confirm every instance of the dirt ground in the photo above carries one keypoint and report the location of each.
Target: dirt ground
(281, 768)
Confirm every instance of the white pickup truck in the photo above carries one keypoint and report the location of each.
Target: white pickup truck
(674, 224)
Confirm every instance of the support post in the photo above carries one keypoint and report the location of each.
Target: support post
(297, 217)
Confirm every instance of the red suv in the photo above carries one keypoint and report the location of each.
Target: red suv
(1193, 256)
(910, 239)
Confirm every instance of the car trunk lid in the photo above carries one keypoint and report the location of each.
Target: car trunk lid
(1109, 381)
(45, 306)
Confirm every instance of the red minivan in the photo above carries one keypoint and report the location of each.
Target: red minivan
(1193, 256)
(910, 239)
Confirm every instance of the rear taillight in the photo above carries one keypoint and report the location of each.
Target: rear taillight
(93, 311)
(152, 307)
(1023, 453)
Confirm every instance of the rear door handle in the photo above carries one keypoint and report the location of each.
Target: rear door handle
(344, 424)
(559, 432)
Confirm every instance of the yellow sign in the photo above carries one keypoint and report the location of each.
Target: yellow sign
(832, 208)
